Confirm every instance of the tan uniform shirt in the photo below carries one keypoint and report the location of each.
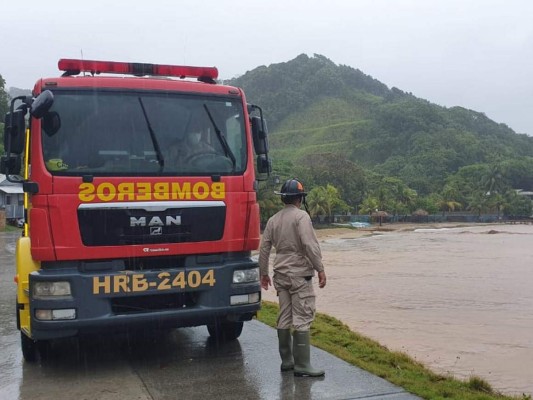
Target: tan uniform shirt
(291, 232)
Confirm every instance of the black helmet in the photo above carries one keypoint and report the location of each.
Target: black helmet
(292, 187)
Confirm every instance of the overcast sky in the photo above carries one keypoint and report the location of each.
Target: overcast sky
(476, 54)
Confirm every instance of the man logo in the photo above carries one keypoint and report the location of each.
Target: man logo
(156, 230)
(156, 221)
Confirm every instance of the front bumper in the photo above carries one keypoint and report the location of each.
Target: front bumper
(115, 300)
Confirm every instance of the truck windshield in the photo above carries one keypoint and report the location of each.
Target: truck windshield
(109, 133)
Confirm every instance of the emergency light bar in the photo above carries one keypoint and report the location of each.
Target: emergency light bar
(74, 67)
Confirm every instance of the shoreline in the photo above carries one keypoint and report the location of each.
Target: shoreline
(342, 232)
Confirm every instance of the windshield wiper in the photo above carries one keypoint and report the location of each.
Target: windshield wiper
(157, 149)
(221, 138)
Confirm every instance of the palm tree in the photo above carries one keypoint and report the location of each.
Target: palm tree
(269, 203)
(315, 202)
(478, 202)
(407, 197)
(325, 200)
(494, 180)
(369, 205)
(498, 202)
(448, 200)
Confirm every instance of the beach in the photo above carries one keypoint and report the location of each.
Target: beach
(455, 297)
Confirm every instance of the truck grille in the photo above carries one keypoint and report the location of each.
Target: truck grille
(125, 224)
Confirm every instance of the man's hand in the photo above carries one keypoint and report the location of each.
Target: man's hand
(321, 279)
(265, 282)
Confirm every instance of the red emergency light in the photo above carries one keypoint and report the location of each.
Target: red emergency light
(74, 67)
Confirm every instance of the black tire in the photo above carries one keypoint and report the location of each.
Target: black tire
(225, 331)
(17, 313)
(33, 350)
(29, 348)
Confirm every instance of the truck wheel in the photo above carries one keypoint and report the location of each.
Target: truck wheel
(17, 313)
(225, 331)
(29, 348)
(32, 350)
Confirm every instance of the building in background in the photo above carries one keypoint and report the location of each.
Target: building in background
(11, 200)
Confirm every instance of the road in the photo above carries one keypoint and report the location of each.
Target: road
(181, 363)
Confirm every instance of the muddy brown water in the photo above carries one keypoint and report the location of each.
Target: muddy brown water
(459, 300)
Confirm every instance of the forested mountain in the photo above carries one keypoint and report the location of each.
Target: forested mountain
(314, 106)
(319, 111)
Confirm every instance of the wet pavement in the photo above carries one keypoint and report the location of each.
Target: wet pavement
(183, 363)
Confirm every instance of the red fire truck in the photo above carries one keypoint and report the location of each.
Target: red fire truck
(141, 209)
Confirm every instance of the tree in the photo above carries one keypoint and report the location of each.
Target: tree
(369, 205)
(494, 179)
(4, 107)
(333, 169)
(519, 172)
(269, 203)
(316, 202)
(498, 202)
(406, 197)
(4, 99)
(391, 194)
(324, 201)
(516, 205)
(466, 182)
(478, 202)
(429, 203)
(448, 199)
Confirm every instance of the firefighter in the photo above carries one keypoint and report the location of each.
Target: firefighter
(298, 256)
(183, 152)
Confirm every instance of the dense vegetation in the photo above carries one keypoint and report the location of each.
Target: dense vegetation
(4, 107)
(383, 148)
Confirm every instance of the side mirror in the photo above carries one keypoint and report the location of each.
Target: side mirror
(42, 104)
(264, 164)
(51, 123)
(15, 132)
(260, 135)
(10, 165)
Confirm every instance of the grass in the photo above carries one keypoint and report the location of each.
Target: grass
(333, 336)
(11, 228)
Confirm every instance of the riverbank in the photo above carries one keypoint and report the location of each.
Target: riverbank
(453, 296)
(340, 232)
(336, 338)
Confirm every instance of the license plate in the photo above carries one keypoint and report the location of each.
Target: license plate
(131, 282)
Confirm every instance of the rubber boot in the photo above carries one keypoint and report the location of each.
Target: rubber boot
(285, 349)
(302, 356)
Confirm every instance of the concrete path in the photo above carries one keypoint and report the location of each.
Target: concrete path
(260, 367)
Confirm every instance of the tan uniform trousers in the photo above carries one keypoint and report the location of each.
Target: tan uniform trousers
(296, 302)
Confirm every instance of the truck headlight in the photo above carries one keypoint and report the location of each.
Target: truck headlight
(246, 275)
(46, 290)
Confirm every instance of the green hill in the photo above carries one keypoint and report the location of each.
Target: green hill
(314, 107)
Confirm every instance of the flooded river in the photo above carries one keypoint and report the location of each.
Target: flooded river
(458, 300)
